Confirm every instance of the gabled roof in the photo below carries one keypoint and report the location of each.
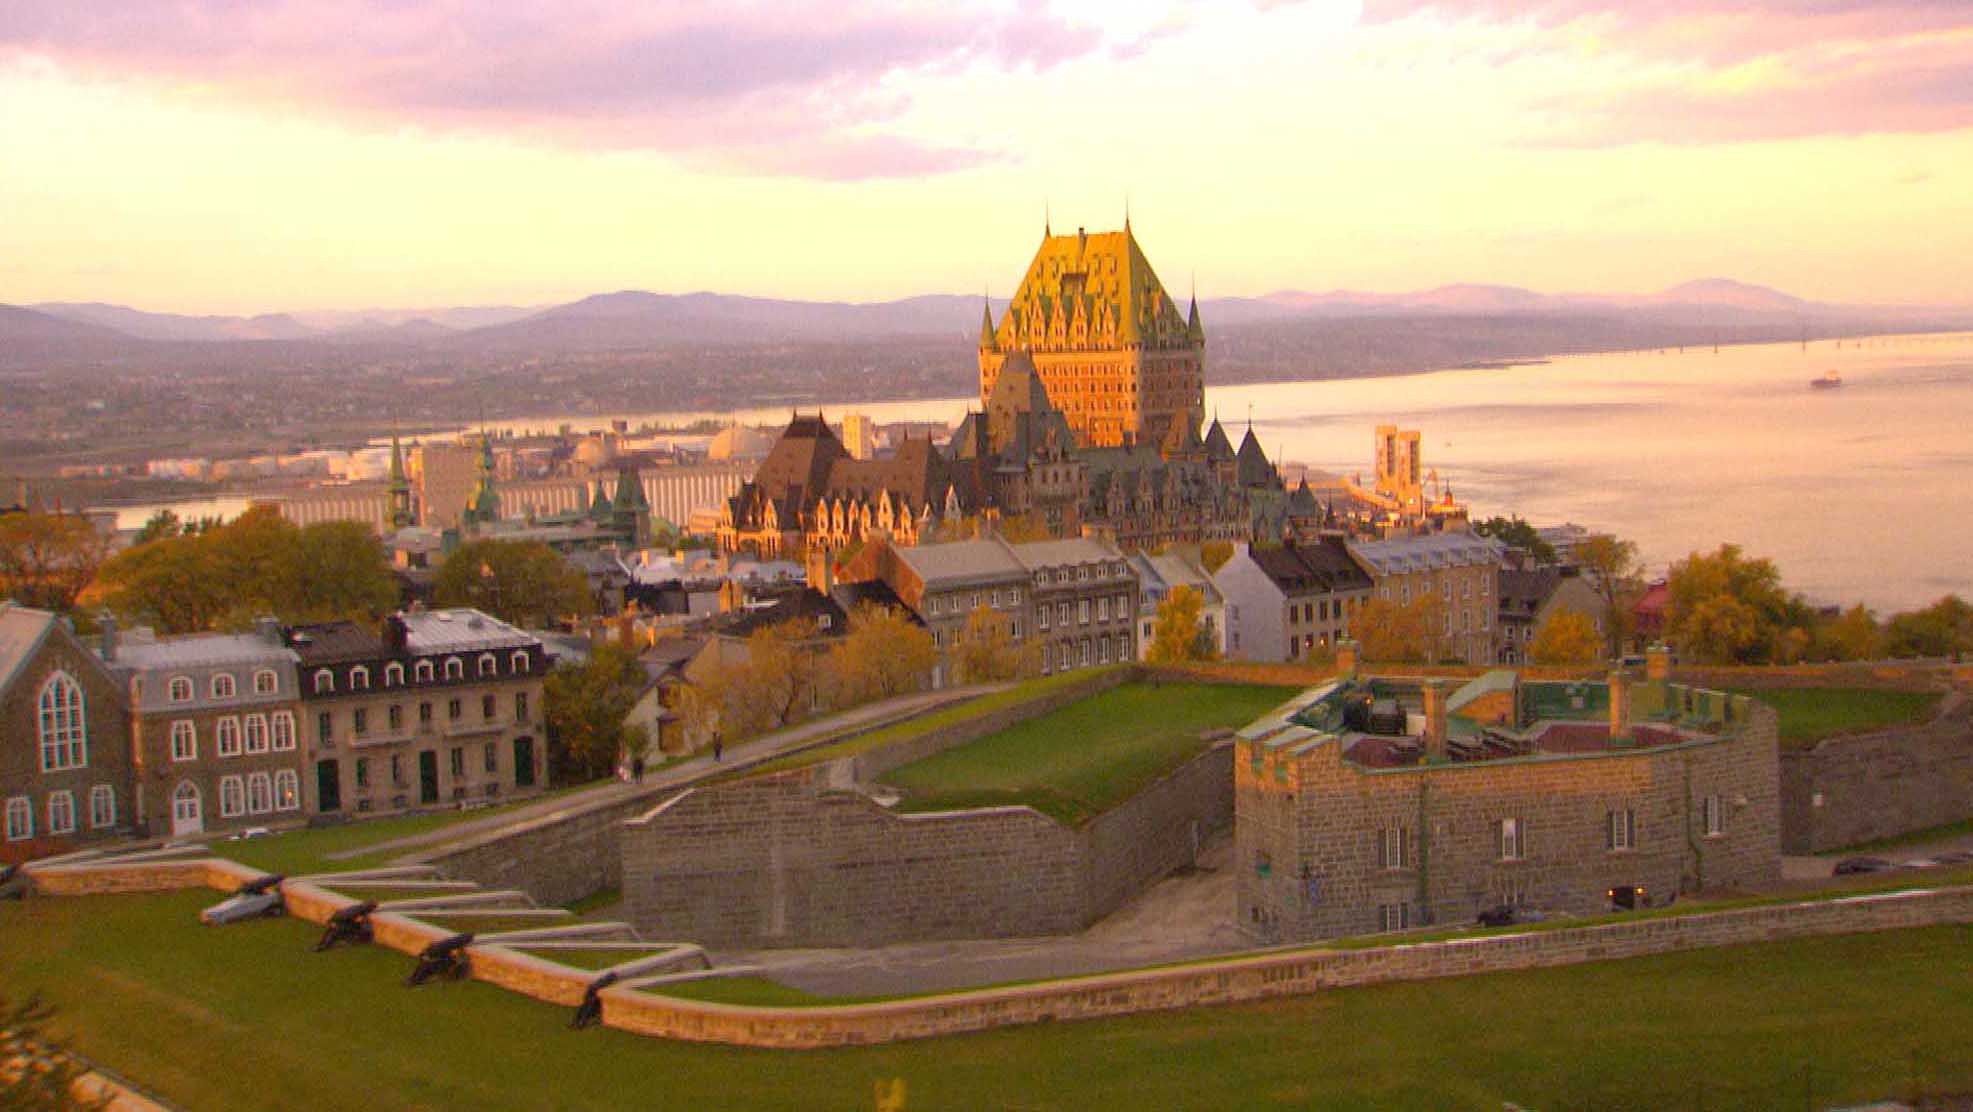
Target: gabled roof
(22, 630)
(960, 562)
(1301, 569)
(798, 604)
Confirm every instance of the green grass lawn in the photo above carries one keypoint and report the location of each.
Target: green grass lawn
(588, 959)
(1809, 714)
(1082, 760)
(245, 1017)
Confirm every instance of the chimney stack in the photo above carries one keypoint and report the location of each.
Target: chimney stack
(1434, 692)
(268, 628)
(1619, 705)
(821, 570)
(1346, 658)
(107, 625)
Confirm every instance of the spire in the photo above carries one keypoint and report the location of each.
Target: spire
(1193, 330)
(988, 342)
(400, 486)
(1046, 224)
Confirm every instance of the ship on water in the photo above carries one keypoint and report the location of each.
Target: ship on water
(1830, 380)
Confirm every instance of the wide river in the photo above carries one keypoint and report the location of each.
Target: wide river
(1864, 492)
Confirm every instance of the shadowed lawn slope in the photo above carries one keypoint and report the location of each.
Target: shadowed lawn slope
(1809, 714)
(1079, 761)
(245, 1017)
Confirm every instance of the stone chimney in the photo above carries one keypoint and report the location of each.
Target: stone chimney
(107, 632)
(821, 570)
(627, 629)
(1434, 692)
(268, 629)
(1658, 663)
(1346, 658)
(1619, 705)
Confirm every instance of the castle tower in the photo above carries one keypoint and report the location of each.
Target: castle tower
(484, 509)
(401, 512)
(1111, 347)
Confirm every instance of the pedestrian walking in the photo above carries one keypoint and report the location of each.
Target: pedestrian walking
(637, 769)
(718, 749)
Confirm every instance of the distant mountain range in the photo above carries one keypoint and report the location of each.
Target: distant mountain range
(633, 319)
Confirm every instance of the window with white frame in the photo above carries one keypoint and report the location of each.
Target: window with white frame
(1103, 650)
(63, 724)
(260, 794)
(1062, 613)
(423, 671)
(287, 790)
(1082, 653)
(179, 690)
(1082, 611)
(61, 812)
(359, 678)
(102, 806)
(1620, 830)
(265, 682)
(325, 681)
(284, 730)
(455, 668)
(226, 737)
(393, 674)
(184, 741)
(1393, 916)
(222, 685)
(488, 665)
(1394, 847)
(1103, 609)
(256, 733)
(232, 797)
(20, 819)
(1510, 839)
(520, 661)
(1041, 619)
(1714, 813)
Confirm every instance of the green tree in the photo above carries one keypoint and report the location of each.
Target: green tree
(1852, 635)
(341, 571)
(1613, 569)
(38, 1073)
(1567, 637)
(1944, 628)
(525, 583)
(158, 526)
(585, 711)
(1180, 633)
(46, 560)
(1516, 533)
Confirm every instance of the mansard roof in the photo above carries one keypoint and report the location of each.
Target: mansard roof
(1102, 276)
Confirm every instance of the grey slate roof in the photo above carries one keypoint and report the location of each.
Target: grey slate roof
(21, 632)
(1399, 555)
(960, 562)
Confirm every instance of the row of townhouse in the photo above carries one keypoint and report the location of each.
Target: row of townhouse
(146, 736)
(1077, 599)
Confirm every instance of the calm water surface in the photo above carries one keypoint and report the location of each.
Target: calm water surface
(1859, 493)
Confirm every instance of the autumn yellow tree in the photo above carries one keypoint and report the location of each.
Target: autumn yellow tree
(782, 671)
(1181, 634)
(1569, 636)
(987, 651)
(47, 559)
(885, 653)
(1387, 632)
(1852, 635)
(717, 703)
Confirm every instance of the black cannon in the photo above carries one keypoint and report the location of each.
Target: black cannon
(12, 884)
(591, 1008)
(349, 924)
(444, 958)
(258, 897)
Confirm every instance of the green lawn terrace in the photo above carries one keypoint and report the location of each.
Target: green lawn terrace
(1403, 721)
(1810, 714)
(1083, 759)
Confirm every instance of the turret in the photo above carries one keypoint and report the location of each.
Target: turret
(988, 341)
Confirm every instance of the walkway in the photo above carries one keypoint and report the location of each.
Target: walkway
(741, 755)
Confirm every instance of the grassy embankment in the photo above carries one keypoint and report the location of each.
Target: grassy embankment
(1809, 714)
(1083, 759)
(246, 1018)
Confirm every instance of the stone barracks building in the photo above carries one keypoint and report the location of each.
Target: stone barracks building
(1378, 804)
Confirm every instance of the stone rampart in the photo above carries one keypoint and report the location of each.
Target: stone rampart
(1880, 784)
(1266, 976)
(783, 860)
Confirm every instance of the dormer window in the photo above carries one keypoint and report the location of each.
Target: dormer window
(180, 689)
(488, 665)
(521, 663)
(222, 686)
(424, 671)
(393, 674)
(266, 682)
(359, 678)
(325, 681)
(455, 669)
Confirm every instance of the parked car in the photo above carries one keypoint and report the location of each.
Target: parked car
(1854, 866)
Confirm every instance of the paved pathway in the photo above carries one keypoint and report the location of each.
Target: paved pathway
(741, 755)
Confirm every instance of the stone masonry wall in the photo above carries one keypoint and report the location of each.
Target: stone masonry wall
(783, 860)
(1860, 788)
(1308, 828)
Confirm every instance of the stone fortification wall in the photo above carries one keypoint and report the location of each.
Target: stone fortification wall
(1881, 784)
(1267, 976)
(783, 860)
(870, 765)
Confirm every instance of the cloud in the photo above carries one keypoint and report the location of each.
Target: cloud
(1706, 71)
(694, 78)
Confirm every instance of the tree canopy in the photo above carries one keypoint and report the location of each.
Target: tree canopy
(47, 559)
(1944, 628)
(1729, 608)
(257, 564)
(524, 583)
(1567, 637)
(1613, 569)
(1516, 533)
(884, 653)
(1181, 634)
(987, 651)
(1399, 634)
(585, 711)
